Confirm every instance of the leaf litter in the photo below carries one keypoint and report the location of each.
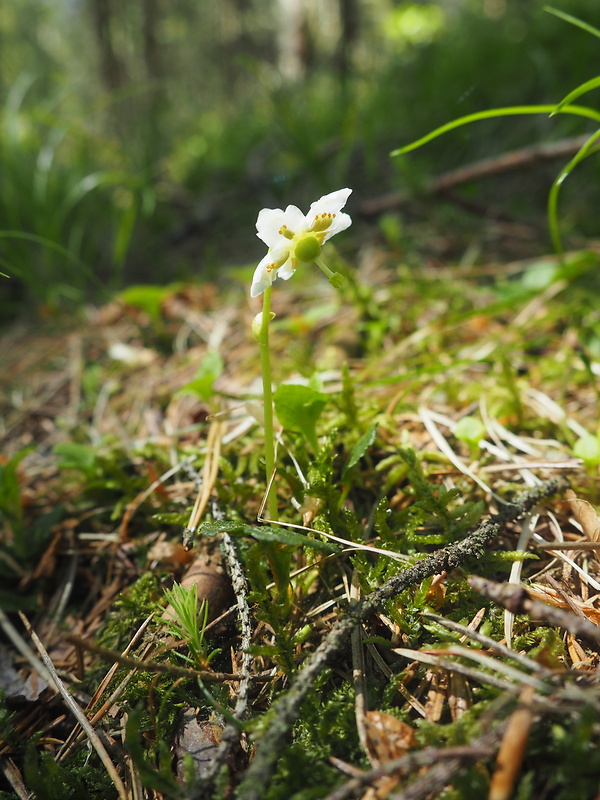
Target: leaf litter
(109, 453)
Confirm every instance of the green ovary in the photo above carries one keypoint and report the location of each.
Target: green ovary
(307, 249)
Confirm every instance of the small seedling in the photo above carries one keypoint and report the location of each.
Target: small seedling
(471, 431)
(189, 623)
(587, 448)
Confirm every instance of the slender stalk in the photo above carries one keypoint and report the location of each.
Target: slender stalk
(323, 267)
(334, 278)
(265, 366)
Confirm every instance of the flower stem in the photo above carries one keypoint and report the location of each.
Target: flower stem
(265, 366)
(323, 267)
(334, 278)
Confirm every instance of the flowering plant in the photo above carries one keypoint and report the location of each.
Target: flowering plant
(293, 237)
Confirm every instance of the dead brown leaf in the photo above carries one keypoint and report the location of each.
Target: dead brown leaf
(388, 738)
(586, 516)
(546, 595)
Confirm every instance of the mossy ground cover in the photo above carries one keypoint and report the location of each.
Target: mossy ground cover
(438, 392)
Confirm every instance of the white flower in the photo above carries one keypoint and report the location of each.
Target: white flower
(293, 237)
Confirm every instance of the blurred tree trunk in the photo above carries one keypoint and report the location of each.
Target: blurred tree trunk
(350, 29)
(153, 106)
(112, 68)
(152, 59)
(292, 39)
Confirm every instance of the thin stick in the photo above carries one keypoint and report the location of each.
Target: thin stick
(13, 776)
(516, 599)
(154, 666)
(137, 501)
(21, 645)
(358, 673)
(514, 159)
(75, 735)
(453, 758)
(77, 712)
(556, 546)
(285, 710)
(231, 735)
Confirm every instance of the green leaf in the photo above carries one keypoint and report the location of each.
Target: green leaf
(211, 367)
(539, 275)
(267, 534)
(298, 409)
(125, 228)
(584, 151)
(469, 430)
(588, 449)
(508, 111)
(361, 447)
(594, 83)
(573, 20)
(146, 298)
(82, 457)
(10, 491)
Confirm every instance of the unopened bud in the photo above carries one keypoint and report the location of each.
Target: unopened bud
(257, 323)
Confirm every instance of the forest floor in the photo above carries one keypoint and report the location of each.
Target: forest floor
(436, 633)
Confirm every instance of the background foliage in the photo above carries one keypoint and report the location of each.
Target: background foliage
(138, 139)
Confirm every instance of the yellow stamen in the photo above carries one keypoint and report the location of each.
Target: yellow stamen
(279, 263)
(283, 231)
(321, 222)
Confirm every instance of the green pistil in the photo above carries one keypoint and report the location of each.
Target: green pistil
(308, 249)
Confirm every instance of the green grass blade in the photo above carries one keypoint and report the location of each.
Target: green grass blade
(29, 278)
(573, 20)
(584, 151)
(594, 83)
(508, 111)
(44, 242)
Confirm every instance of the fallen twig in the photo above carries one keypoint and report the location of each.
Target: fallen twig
(447, 760)
(513, 747)
(506, 162)
(516, 599)
(154, 666)
(76, 734)
(77, 712)
(231, 734)
(285, 710)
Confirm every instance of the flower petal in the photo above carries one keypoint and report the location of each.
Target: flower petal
(268, 224)
(294, 218)
(329, 204)
(288, 269)
(340, 223)
(271, 220)
(262, 277)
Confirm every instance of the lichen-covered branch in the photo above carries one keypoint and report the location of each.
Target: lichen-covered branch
(285, 710)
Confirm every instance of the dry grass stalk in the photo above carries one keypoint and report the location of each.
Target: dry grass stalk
(513, 747)
(78, 714)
